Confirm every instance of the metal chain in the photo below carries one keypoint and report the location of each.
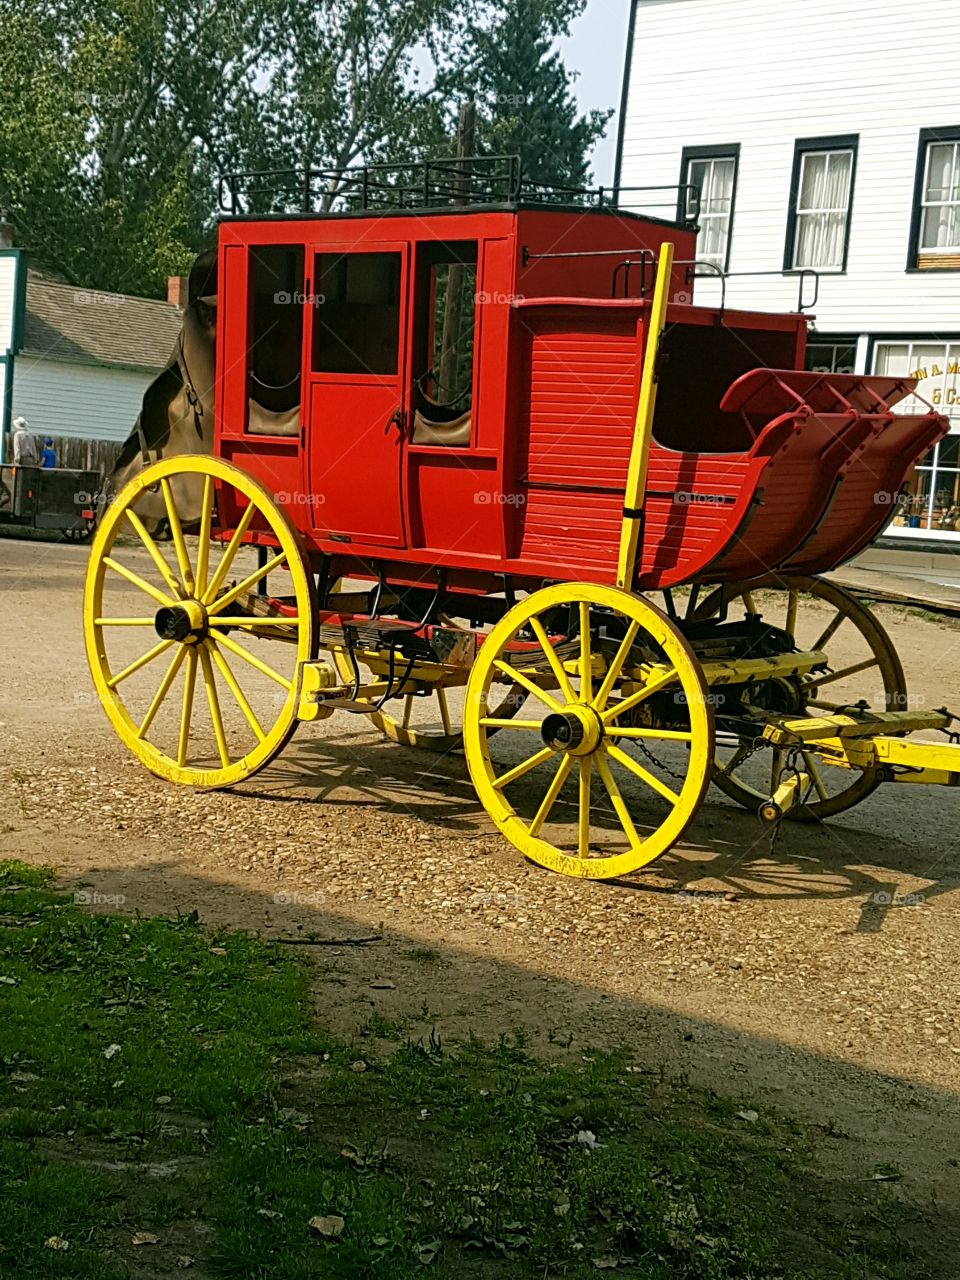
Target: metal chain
(677, 777)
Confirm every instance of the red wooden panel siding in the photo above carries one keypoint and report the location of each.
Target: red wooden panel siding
(582, 399)
(580, 402)
(581, 530)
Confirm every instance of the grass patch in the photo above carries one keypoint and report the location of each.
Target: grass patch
(166, 1081)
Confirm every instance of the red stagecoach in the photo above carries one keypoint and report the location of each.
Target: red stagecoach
(463, 429)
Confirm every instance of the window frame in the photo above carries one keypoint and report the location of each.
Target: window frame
(372, 250)
(431, 254)
(802, 147)
(714, 151)
(950, 133)
(816, 339)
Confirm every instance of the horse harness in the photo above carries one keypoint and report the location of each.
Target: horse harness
(193, 399)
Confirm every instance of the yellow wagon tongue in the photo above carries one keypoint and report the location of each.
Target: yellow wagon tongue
(643, 427)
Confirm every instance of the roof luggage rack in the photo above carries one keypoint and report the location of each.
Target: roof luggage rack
(434, 184)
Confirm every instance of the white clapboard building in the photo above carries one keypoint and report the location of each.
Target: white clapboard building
(824, 137)
(75, 362)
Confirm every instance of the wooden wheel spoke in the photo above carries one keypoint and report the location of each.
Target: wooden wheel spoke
(153, 551)
(214, 704)
(142, 661)
(123, 622)
(616, 666)
(203, 540)
(255, 662)
(176, 532)
(223, 667)
(249, 581)
(634, 700)
(586, 654)
(643, 774)
(549, 799)
(229, 620)
(186, 713)
(583, 808)
(616, 799)
(814, 772)
(518, 770)
(526, 683)
(664, 735)
(226, 560)
(493, 722)
(136, 581)
(816, 681)
(562, 679)
(793, 602)
(829, 631)
(162, 691)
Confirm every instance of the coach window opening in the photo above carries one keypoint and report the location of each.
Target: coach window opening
(274, 339)
(356, 313)
(444, 332)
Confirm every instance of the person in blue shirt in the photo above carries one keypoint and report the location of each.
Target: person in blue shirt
(48, 455)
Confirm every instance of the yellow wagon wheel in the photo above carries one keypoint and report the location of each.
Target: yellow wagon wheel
(164, 620)
(862, 663)
(611, 767)
(427, 721)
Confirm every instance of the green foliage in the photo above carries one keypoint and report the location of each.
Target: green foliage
(525, 97)
(117, 116)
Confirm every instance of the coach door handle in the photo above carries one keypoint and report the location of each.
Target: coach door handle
(398, 420)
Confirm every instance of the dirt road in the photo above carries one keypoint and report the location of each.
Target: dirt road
(793, 977)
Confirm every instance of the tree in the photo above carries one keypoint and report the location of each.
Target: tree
(524, 91)
(118, 116)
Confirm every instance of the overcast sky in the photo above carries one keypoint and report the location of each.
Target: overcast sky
(596, 48)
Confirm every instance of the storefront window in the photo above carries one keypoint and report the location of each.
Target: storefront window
(932, 505)
(826, 355)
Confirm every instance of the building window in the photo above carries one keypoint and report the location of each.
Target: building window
(935, 232)
(821, 195)
(932, 501)
(713, 172)
(832, 355)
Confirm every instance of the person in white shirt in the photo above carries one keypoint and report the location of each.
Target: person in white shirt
(25, 451)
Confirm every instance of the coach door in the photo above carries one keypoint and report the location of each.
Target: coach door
(356, 400)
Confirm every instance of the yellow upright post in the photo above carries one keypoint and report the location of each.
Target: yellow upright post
(643, 427)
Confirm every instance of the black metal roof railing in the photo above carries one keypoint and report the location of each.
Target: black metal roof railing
(432, 185)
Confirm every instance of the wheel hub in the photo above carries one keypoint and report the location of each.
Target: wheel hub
(185, 622)
(577, 730)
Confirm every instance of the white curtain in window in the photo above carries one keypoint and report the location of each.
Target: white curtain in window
(822, 208)
(941, 197)
(715, 180)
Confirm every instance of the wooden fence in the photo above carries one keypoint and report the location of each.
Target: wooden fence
(83, 455)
